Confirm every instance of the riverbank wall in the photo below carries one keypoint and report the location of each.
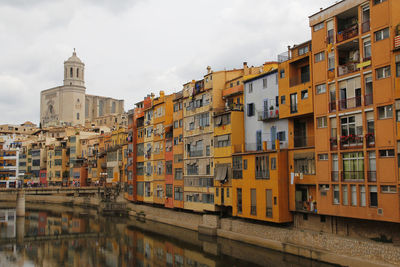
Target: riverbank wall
(321, 246)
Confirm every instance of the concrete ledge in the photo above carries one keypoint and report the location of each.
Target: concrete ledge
(307, 252)
(207, 230)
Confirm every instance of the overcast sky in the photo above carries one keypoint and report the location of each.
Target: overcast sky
(134, 47)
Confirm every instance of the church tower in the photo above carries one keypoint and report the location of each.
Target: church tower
(74, 71)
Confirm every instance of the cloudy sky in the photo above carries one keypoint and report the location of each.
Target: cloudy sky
(134, 47)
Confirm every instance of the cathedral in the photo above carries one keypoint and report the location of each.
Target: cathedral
(69, 105)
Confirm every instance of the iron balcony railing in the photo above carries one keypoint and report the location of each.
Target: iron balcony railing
(347, 68)
(352, 176)
(365, 26)
(371, 175)
(268, 115)
(335, 176)
(303, 141)
(253, 210)
(351, 141)
(347, 33)
(351, 102)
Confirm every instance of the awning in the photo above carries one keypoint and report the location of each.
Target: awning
(308, 155)
(221, 172)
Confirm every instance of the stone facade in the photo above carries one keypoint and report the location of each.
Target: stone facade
(69, 105)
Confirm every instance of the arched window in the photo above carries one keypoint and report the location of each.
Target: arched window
(77, 72)
(71, 72)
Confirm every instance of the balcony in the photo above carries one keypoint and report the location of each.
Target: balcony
(196, 153)
(262, 174)
(371, 175)
(333, 143)
(253, 210)
(335, 176)
(304, 78)
(232, 90)
(303, 141)
(347, 68)
(368, 100)
(352, 102)
(397, 41)
(351, 141)
(268, 115)
(353, 176)
(365, 26)
(332, 106)
(347, 33)
(370, 140)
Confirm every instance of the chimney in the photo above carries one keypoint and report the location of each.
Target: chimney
(245, 69)
(208, 69)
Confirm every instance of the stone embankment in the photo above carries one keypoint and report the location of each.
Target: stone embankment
(319, 246)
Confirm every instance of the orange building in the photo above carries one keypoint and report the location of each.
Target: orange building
(296, 104)
(355, 78)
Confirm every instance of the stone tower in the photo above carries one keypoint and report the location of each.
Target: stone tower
(74, 71)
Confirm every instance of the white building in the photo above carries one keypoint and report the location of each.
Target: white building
(69, 104)
(261, 103)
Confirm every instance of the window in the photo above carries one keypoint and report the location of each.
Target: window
(345, 196)
(318, 26)
(388, 189)
(250, 109)
(397, 69)
(321, 88)
(383, 72)
(363, 201)
(322, 122)
(385, 112)
(353, 195)
(250, 86)
(304, 94)
(217, 191)
(57, 162)
(237, 167)
(382, 34)
(253, 199)
(303, 50)
(168, 190)
(262, 167)
(203, 119)
(245, 164)
(322, 156)
(319, 57)
(176, 124)
(373, 196)
(222, 140)
(224, 119)
(367, 48)
(192, 169)
(353, 166)
(281, 136)
(265, 84)
(178, 174)
(282, 73)
(386, 153)
(227, 192)
(77, 116)
(378, 1)
(293, 103)
(336, 194)
(178, 194)
(168, 168)
(304, 163)
(331, 60)
(239, 200)
(283, 100)
(273, 163)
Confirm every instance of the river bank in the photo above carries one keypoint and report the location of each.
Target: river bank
(318, 246)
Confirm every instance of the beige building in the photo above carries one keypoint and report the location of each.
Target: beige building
(69, 105)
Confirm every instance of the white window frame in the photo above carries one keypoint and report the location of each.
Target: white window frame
(382, 34)
(322, 122)
(382, 73)
(320, 88)
(323, 156)
(318, 57)
(319, 26)
(387, 112)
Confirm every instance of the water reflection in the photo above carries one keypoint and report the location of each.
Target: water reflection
(63, 236)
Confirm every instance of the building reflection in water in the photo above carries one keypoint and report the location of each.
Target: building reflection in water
(71, 238)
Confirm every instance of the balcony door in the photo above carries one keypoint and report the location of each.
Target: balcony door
(273, 136)
(300, 133)
(258, 140)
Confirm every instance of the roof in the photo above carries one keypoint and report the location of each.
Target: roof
(252, 78)
(74, 58)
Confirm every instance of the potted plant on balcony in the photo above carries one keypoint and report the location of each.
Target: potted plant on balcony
(369, 137)
(333, 141)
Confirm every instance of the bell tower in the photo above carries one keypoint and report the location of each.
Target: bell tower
(74, 71)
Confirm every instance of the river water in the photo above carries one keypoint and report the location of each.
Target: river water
(69, 236)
